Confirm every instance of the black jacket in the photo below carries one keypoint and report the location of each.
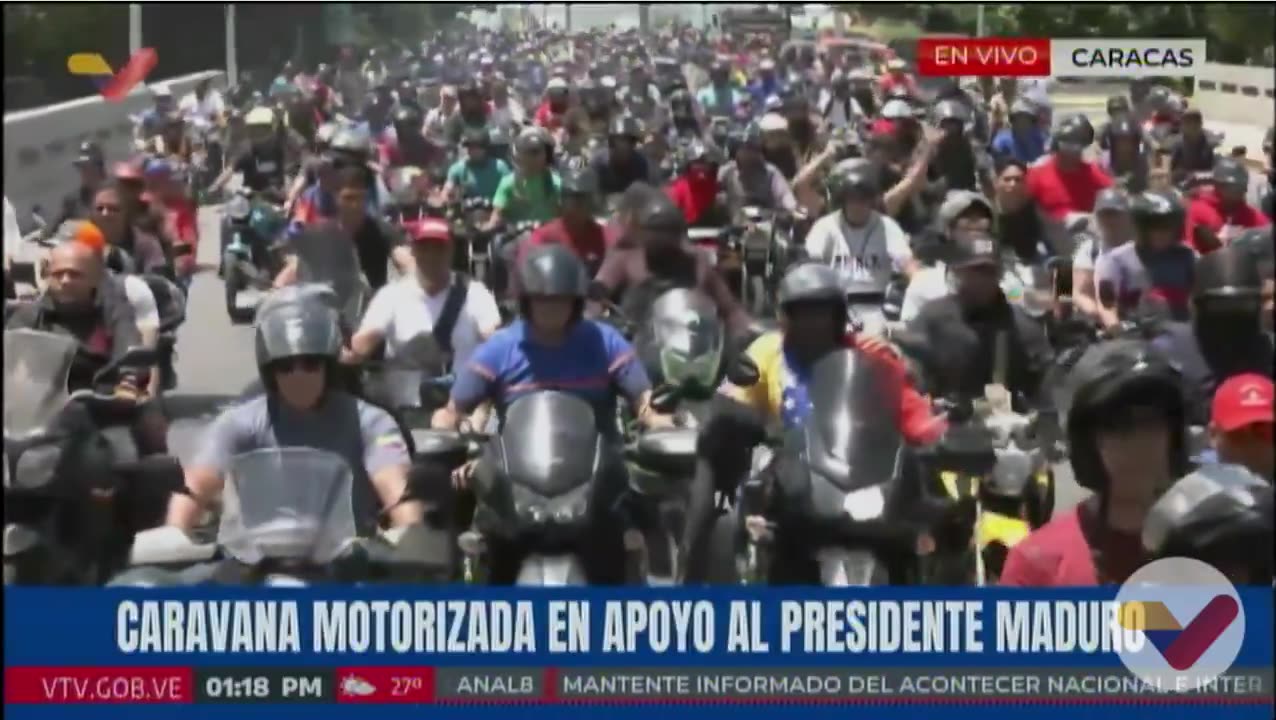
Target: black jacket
(963, 345)
(105, 331)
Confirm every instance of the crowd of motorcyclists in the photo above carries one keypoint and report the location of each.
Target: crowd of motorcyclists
(510, 279)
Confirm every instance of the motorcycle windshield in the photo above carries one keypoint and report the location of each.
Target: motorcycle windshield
(689, 335)
(549, 442)
(326, 255)
(36, 367)
(287, 504)
(851, 431)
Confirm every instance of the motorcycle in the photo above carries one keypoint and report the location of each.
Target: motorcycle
(284, 534)
(536, 511)
(412, 384)
(992, 465)
(846, 495)
(467, 217)
(75, 489)
(249, 260)
(763, 247)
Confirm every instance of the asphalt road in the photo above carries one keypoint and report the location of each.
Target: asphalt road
(215, 362)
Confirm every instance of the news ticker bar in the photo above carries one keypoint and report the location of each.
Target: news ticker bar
(454, 685)
(1060, 57)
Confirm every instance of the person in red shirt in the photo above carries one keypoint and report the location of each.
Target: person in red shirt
(1065, 182)
(1218, 212)
(695, 191)
(180, 216)
(552, 111)
(896, 77)
(575, 227)
(1126, 434)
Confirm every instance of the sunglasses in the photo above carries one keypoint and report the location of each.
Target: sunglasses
(308, 364)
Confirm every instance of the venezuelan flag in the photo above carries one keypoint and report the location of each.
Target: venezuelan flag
(92, 66)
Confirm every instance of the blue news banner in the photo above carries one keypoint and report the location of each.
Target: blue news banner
(469, 652)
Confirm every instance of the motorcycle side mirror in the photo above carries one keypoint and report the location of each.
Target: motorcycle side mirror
(743, 372)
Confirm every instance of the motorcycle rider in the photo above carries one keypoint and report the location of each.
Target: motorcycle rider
(153, 119)
(767, 84)
(575, 226)
(437, 118)
(1225, 336)
(82, 301)
(1024, 140)
(552, 347)
(1126, 157)
(78, 205)
(550, 114)
(654, 254)
(478, 174)
(1113, 227)
(125, 228)
(472, 111)
(866, 247)
(1217, 515)
(620, 164)
(839, 108)
(261, 164)
(416, 304)
(1241, 418)
(298, 339)
(979, 337)
(720, 97)
(533, 191)
(684, 119)
(1216, 215)
(1065, 182)
(1156, 267)
(813, 322)
(896, 79)
(1126, 430)
(749, 179)
(1019, 223)
(1191, 150)
(695, 190)
(408, 147)
(507, 111)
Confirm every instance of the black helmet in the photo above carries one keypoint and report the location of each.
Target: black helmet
(1111, 377)
(625, 126)
(953, 110)
(580, 182)
(1075, 134)
(1124, 126)
(1220, 515)
(751, 137)
(1228, 276)
(476, 137)
(1024, 107)
(855, 177)
(1229, 171)
(811, 282)
(660, 214)
(1118, 104)
(297, 321)
(552, 270)
(1156, 208)
(499, 137)
(352, 141)
(680, 100)
(469, 87)
(408, 116)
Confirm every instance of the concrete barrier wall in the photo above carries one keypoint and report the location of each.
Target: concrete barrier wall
(1237, 93)
(40, 144)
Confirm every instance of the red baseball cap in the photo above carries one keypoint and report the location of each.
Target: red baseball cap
(1242, 401)
(429, 230)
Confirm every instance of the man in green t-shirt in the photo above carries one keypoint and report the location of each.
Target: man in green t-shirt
(532, 191)
(479, 174)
